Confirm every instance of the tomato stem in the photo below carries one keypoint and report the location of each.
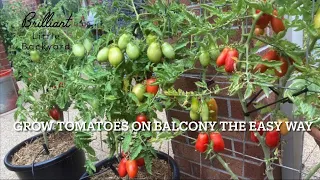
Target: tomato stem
(227, 168)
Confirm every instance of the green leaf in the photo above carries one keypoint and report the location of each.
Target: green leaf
(135, 152)
(126, 142)
(249, 91)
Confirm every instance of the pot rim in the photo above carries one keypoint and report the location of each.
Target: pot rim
(39, 165)
(161, 155)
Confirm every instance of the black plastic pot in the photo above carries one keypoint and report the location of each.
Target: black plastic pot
(69, 165)
(109, 163)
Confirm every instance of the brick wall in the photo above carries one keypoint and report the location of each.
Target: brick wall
(192, 164)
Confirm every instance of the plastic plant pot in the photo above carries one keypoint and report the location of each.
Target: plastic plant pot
(113, 160)
(8, 91)
(68, 165)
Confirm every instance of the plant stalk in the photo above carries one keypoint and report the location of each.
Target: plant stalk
(225, 165)
(313, 171)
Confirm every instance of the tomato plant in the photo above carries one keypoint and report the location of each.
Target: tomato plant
(164, 42)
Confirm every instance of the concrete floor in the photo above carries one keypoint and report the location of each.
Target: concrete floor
(9, 138)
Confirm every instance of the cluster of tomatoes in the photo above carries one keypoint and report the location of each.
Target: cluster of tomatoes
(277, 24)
(216, 140)
(228, 58)
(272, 138)
(129, 167)
(274, 55)
(208, 109)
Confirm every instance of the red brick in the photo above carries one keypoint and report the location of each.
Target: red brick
(184, 175)
(184, 165)
(205, 172)
(250, 149)
(186, 84)
(222, 107)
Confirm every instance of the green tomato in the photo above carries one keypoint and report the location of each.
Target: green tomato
(168, 50)
(154, 52)
(103, 55)
(214, 52)
(78, 50)
(87, 45)
(115, 56)
(151, 38)
(132, 51)
(204, 59)
(194, 116)
(123, 41)
(139, 90)
(204, 112)
(194, 104)
(35, 56)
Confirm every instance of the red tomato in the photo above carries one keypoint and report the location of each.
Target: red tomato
(202, 142)
(55, 113)
(152, 89)
(132, 168)
(271, 55)
(283, 67)
(277, 23)
(264, 20)
(260, 67)
(272, 138)
(231, 60)
(140, 162)
(252, 136)
(122, 167)
(141, 118)
(222, 57)
(218, 143)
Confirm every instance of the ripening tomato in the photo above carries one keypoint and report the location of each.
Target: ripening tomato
(132, 168)
(141, 118)
(152, 89)
(283, 67)
(222, 57)
(87, 45)
(122, 170)
(78, 50)
(168, 50)
(35, 56)
(154, 52)
(258, 31)
(103, 55)
(133, 51)
(272, 138)
(202, 142)
(218, 142)
(151, 38)
(115, 56)
(283, 126)
(139, 90)
(264, 20)
(231, 60)
(204, 59)
(277, 23)
(213, 109)
(140, 162)
(123, 41)
(55, 113)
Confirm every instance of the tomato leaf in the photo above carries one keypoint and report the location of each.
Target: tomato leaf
(126, 142)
